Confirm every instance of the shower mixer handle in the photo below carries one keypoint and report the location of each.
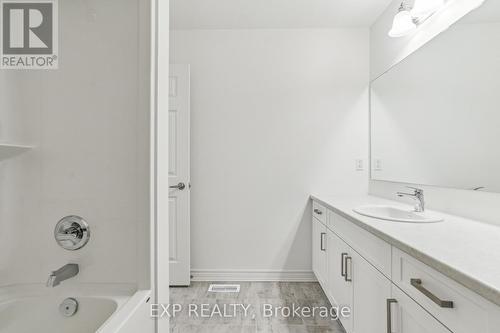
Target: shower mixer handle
(72, 232)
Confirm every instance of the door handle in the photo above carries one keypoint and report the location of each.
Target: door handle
(342, 264)
(179, 186)
(417, 284)
(322, 241)
(389, 314)
(346, 276)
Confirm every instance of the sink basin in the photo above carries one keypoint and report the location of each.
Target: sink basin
(391, 213)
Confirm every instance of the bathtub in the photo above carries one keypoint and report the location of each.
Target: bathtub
(101, 308)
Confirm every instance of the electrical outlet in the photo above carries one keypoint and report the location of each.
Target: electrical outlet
(360, 165)
(377, 164)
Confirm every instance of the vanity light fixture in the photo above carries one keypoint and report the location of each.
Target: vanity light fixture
(403, 23)
(408, 18)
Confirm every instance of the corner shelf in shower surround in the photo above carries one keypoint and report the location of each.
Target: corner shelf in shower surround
(10, 150)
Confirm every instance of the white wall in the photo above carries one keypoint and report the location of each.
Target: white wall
(385, 53)
(89, 123)
(276, 115)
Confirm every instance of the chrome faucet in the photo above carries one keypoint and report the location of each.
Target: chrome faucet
(417, 195)
(66, 272)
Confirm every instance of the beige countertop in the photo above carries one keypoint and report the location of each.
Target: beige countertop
(465, 250)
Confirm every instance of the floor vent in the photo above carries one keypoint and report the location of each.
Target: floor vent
(224, 288)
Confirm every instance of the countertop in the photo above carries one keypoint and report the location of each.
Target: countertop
(465, 250)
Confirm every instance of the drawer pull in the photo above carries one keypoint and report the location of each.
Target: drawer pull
(317, 211)
(417, 284)
(389, 314)
(346, 277)
(342, 265)
(322, 241)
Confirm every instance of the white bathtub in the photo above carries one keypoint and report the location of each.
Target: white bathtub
(35, 308)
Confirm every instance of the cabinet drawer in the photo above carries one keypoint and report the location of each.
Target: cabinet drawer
(369, 246)
(468, 312)
(319, 212)
(404, 315)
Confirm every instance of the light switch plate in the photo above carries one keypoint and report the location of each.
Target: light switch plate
(360, 165)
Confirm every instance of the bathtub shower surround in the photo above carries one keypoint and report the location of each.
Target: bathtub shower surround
(75, 141)
(90, 140)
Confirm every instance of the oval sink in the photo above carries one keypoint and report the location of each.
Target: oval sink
(396, 214)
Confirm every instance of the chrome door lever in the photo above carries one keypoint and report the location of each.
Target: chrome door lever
(179, 186)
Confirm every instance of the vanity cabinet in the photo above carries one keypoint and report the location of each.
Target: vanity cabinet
(354, 282)
(387, 289)
(319, 243)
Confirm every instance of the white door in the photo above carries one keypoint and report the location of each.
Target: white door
(179, 176)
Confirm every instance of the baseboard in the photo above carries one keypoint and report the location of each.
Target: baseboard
(252, 275)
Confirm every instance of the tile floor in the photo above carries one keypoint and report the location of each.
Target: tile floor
(256, 296)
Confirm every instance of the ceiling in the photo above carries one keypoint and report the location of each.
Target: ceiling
(274, 14)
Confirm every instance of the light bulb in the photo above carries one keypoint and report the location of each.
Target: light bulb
(403, 24)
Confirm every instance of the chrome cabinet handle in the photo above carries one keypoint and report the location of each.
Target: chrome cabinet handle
(317, 211)
(342, 266)
(390, 301)
(346, 277)
(179, 186)
(417, 284)
(322, 241)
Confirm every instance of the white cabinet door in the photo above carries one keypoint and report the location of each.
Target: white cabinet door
(406, 316)
(371, 289)
(340, 273)
(319, 244)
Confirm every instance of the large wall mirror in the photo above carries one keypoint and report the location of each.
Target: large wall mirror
(435, 116)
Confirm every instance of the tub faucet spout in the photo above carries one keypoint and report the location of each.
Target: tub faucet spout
(66, 272)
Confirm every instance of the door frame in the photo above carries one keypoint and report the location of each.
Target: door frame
(159, 191)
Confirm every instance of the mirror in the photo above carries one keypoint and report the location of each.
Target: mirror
(435, 116)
